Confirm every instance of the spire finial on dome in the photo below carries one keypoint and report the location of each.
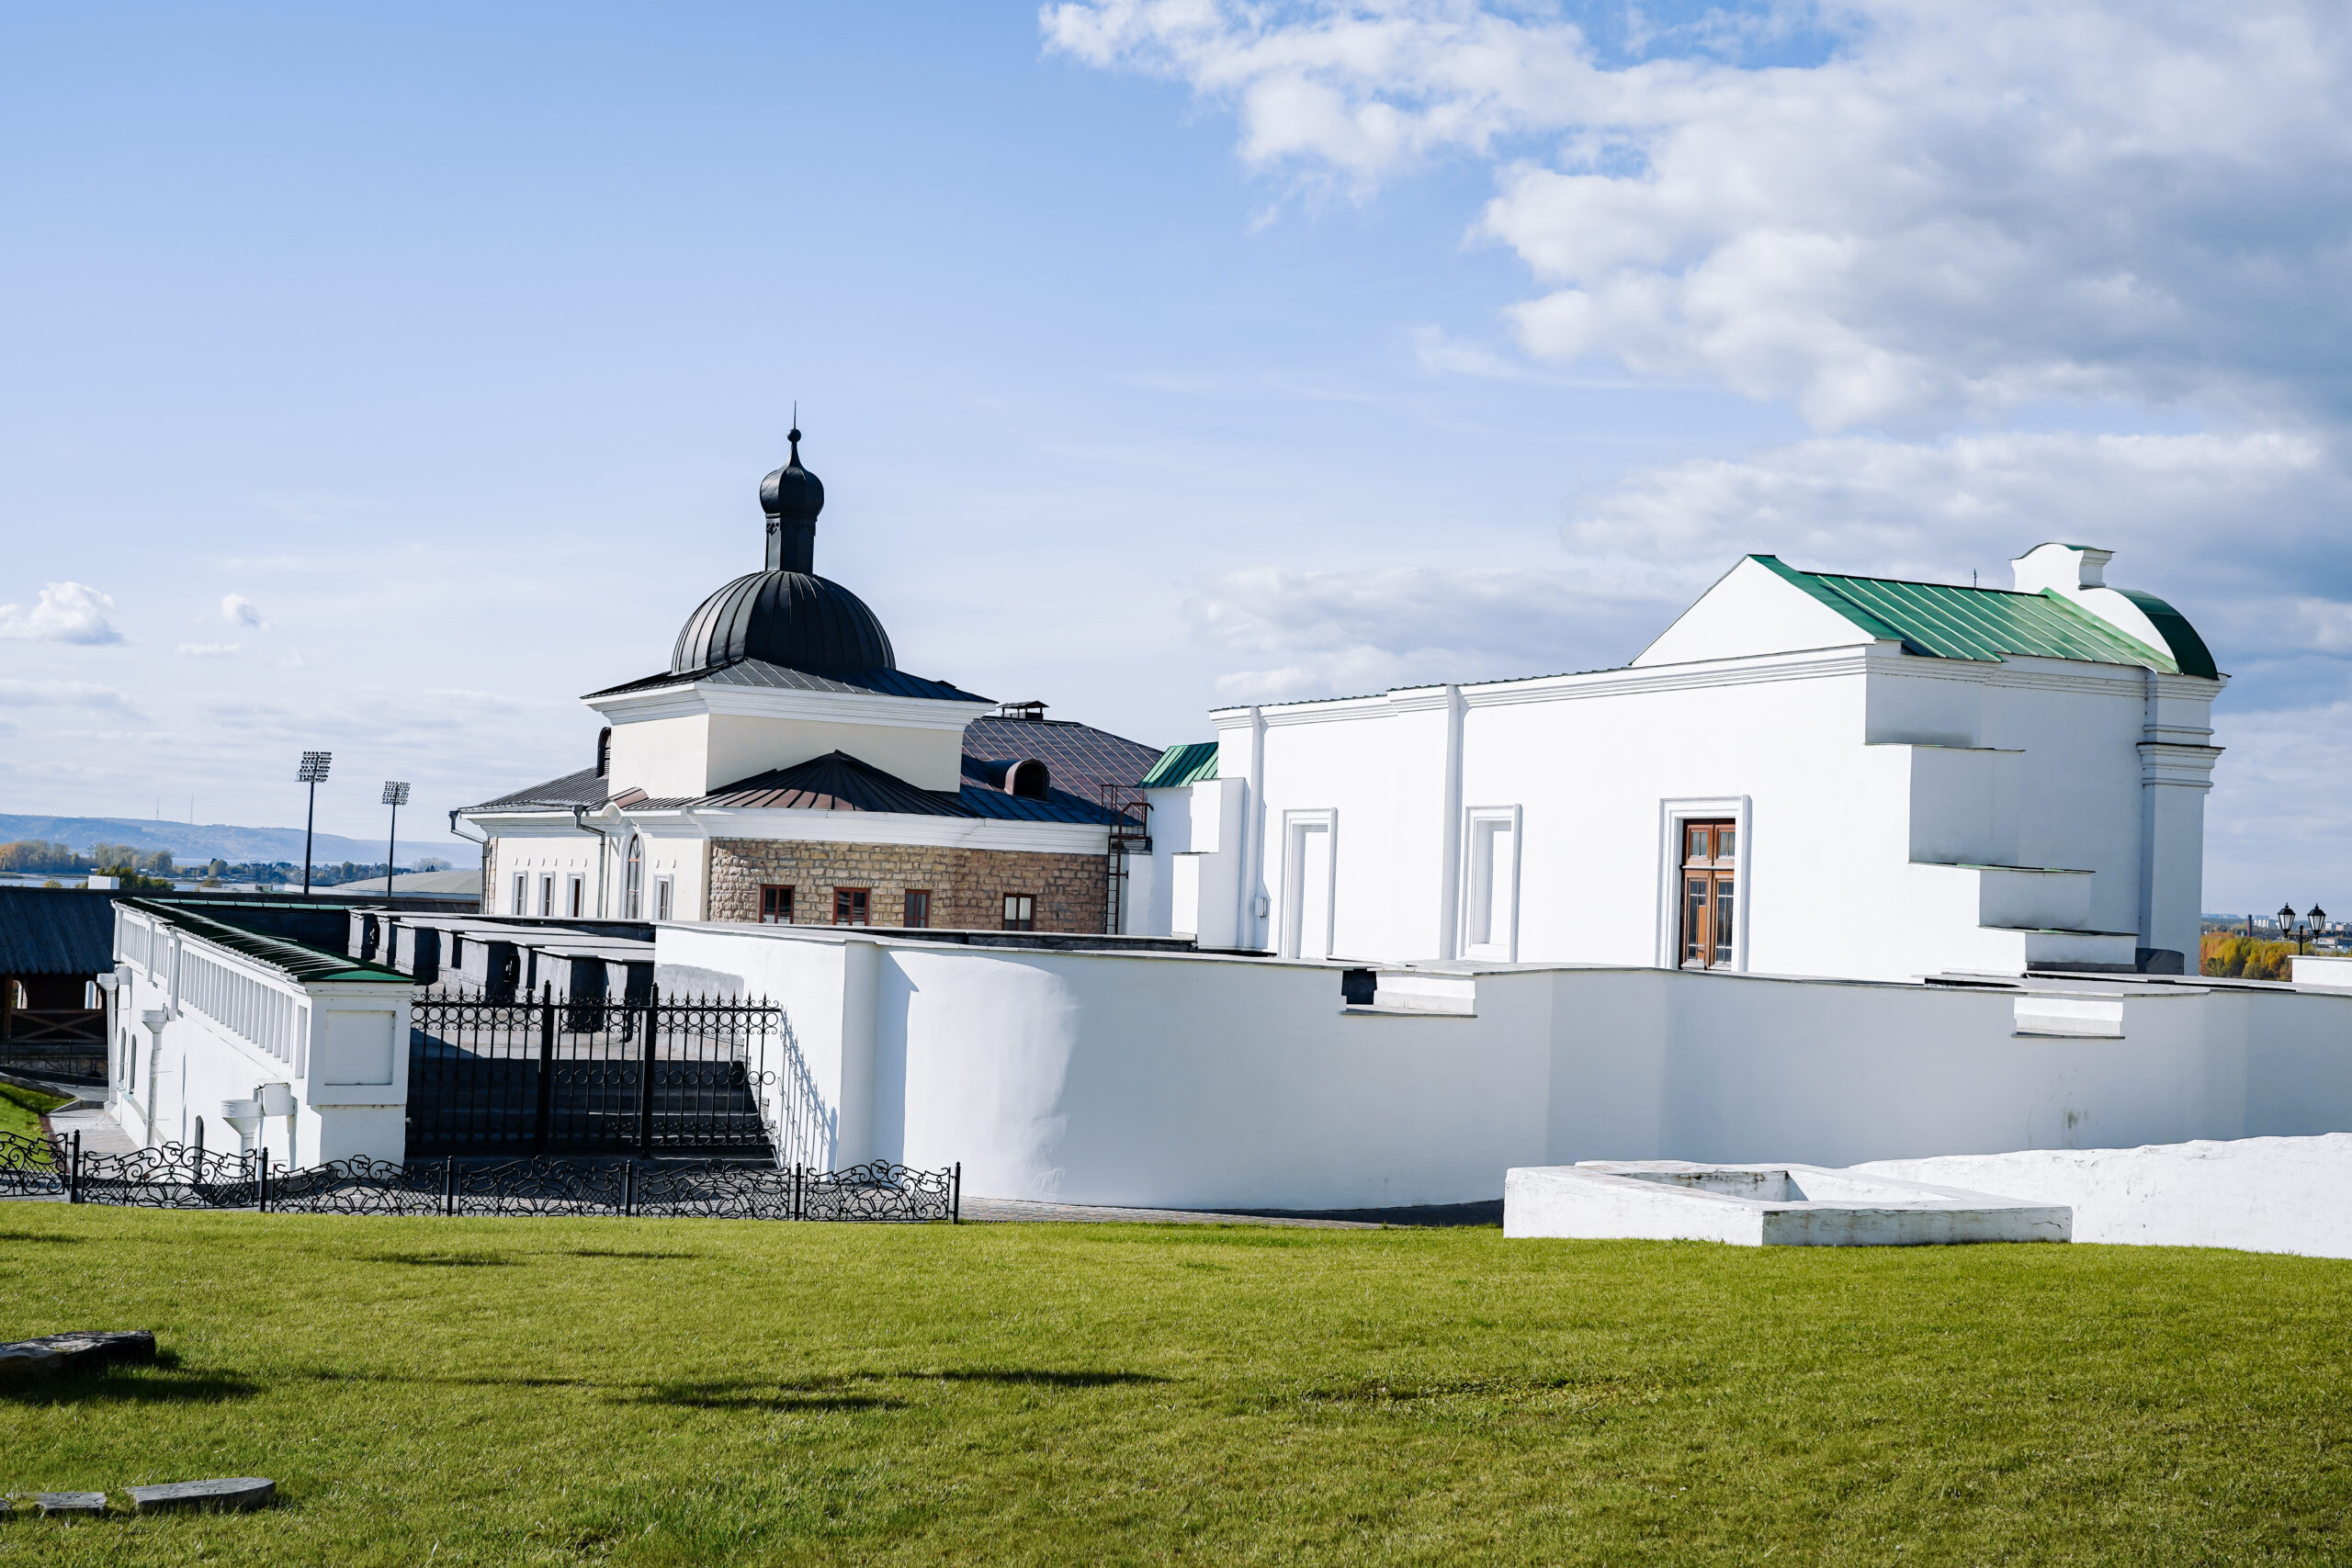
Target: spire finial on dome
(792, 497)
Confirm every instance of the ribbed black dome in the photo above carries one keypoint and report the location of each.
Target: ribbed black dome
(792, 618)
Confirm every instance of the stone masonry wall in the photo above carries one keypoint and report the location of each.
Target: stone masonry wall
(967, 886)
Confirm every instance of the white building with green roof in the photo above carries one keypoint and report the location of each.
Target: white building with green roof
(1805, 773)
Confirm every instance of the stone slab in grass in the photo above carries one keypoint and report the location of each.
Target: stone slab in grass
(74, 1352)
(238, 1492)
(70, 1505)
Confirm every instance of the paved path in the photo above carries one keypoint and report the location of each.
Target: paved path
(100, 1135)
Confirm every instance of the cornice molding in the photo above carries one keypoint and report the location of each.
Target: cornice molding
(762, 702)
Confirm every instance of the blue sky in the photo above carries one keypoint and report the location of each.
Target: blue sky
(383, 381)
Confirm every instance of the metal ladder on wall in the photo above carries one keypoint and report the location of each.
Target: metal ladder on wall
(1129, 810)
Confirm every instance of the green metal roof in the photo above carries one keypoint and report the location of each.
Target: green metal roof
(1189, 763)
(1938, 621)
(297, 960)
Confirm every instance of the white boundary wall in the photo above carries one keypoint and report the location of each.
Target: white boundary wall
(1189, 1080)
(194, 1025)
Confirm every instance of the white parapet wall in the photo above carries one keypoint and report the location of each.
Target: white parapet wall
(1208, 1081)
(249, 1041)
(1763, 1205)
(2256, 1195)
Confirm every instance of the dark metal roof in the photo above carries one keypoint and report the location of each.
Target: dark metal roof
(839, 782)
(56, 930)
(586, 787)
(295, 959)
(777, 677)
(1079, 758)
(793, 618)
(1941, 621)
(1189, 763)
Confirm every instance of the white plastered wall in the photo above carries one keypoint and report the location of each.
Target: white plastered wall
(1204, 1081)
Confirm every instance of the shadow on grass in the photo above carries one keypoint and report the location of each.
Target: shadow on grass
(37, 1235)
(158, 1385)
(1040, 1377)
(743, 1393)
(595, 1252)
(440, 1261)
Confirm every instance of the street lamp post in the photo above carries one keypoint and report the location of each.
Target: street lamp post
(395, 797)
(314, 772)
(2300, 932)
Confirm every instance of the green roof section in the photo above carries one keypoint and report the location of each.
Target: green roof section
(1987, 625)
(296, 960)
(1190, 763)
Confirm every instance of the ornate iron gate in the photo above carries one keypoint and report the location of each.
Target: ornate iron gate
(664, 1077)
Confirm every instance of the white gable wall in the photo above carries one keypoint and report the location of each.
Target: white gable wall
(1752, 609)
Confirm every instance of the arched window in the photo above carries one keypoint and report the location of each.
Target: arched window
(633, 885)
(1028, 779)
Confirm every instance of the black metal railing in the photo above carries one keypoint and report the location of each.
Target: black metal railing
(691, 1077)
(174, 1176)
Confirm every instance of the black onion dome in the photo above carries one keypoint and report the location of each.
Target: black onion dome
(792, 490)
(792, 618)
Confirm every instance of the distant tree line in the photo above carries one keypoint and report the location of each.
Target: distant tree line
(155, 869)
(2245, 957)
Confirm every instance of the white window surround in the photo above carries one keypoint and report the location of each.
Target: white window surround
(1484, 858)
(522, 894)
(1289, 916)
(664, 896)
(1672, 814)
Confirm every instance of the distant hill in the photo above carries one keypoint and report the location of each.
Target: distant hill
(192, 843)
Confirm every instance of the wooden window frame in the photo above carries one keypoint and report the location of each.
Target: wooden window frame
(1014, 923)
(767, 888)
(1672, 815)
(853, 906)
(917, 916)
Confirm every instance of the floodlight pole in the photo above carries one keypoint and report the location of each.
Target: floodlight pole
(395, 793)
(313, 770)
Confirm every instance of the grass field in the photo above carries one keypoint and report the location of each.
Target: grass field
(686, 1391)
(21, 1109)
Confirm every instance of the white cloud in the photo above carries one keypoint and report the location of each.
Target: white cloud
(70, 694)
(68, 611)
(1961, 210)
(240, 611)
(2242, 533)
(1340, 632)
(209, 649)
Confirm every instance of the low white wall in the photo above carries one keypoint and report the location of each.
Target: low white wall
(340, 1046)
(2257, 1194)
(1191, 1081)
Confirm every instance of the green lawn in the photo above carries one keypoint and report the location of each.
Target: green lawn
(506, 1391)
(21, 1109)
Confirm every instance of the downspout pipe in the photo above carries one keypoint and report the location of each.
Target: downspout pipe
(580, 821)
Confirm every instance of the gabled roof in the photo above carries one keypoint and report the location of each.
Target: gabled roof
(1192, 763)
(839, 782)
(56, 930)
(1079, 758)
(1937, 620)
(775, 677)
(586, 787)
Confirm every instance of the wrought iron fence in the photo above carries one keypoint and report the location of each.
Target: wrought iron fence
(174, 1176)
(587, 1076)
